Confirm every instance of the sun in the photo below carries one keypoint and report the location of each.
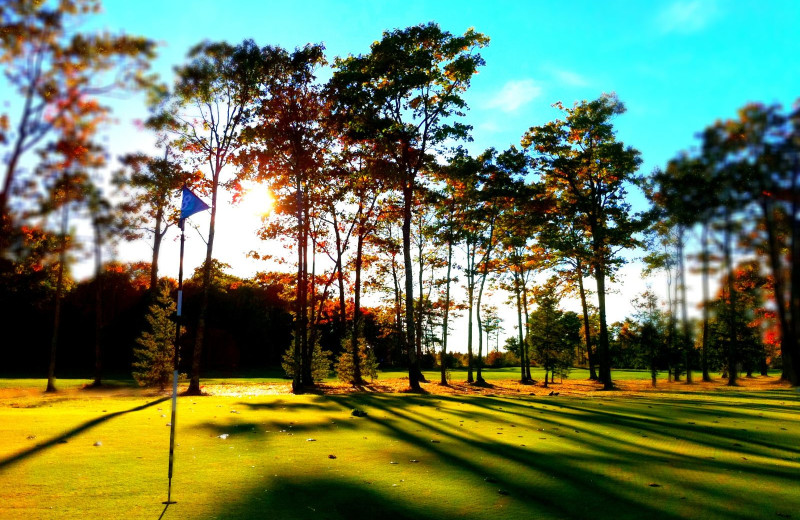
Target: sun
(256, 200)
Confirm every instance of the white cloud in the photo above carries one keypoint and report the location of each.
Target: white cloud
(489, 127)
(573, 79)
(687, 16)
(515, 94)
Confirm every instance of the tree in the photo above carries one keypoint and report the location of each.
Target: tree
(151, 207)
(730, 181)
(58, 73)
(650, 334)
(553, 333)
(404, 94)
(521, 257)
(582, 164)
(501, 182)
(66, 193)
(286, 149)
(205, 115)
(747, 322)
(678, 193)
(345, 367)
(154, 358)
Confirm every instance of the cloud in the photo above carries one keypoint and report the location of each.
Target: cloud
(489, 127)
(573, 79)
(515, 94)
(687, 16)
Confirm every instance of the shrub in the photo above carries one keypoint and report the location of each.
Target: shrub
(153, 358)
(368, 363)
(320, 363)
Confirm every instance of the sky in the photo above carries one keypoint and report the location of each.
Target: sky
(677, 65)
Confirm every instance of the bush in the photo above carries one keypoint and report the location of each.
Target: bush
(452, 360)
(320, 363)
(154, 358)
(368, 363)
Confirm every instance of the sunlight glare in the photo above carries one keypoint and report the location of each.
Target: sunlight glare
(256, 201)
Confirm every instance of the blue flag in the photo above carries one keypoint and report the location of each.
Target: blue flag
(191, 204)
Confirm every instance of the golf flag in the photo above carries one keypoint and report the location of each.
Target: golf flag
(191, 204)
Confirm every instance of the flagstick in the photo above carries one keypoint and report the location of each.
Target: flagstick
(175, 372)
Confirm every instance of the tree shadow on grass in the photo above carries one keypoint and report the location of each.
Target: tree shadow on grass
(602, 478)
(321, 498)
(572, 470)
(61, 439)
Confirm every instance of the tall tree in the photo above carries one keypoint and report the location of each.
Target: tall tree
(521, 257)
(205, 114)
(581, 161)
(55, 71)
(406, 94)
(500, 183)
(65, 176)
(679, 194)
(286, 148)
(730, 180)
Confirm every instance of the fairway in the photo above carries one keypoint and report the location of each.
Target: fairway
(699, 454)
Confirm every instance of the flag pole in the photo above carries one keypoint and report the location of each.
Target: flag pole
(190, 204)
(175, 371)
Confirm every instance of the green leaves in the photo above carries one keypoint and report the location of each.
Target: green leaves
(406, 88)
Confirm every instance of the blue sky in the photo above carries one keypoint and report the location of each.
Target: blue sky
(677, 65)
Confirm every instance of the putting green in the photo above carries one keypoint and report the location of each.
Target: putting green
(699, 454)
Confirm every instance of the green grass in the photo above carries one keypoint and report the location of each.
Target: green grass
(277, 376)
(734, 456)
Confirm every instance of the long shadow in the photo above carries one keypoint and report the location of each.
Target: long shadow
(658, 427)
(321, 498)
(558, 466)
(547, 464)
(10, 461)
(584, 488)
(629, 449)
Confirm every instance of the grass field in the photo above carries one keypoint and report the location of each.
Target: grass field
(703, 451)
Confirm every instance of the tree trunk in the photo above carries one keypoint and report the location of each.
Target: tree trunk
(62, 259)
(688, 344)
(706, 296)
(602, 344)
(158, 235)
(470, 296)
(675, 350)
(478, 375)
(443, 358)
(779, 288)
(420, 311)
(517, 293)
(357, 311)
(525, 343)
(98, 306)
(413, 362)
(793, 349)
(733, 336)
(340, 273)
(586, 330)
(309, 302)
(299, 312)
(194, 383)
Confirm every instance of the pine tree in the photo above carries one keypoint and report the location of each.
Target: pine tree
(368, 363)
(154, 360)
(320, 363)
